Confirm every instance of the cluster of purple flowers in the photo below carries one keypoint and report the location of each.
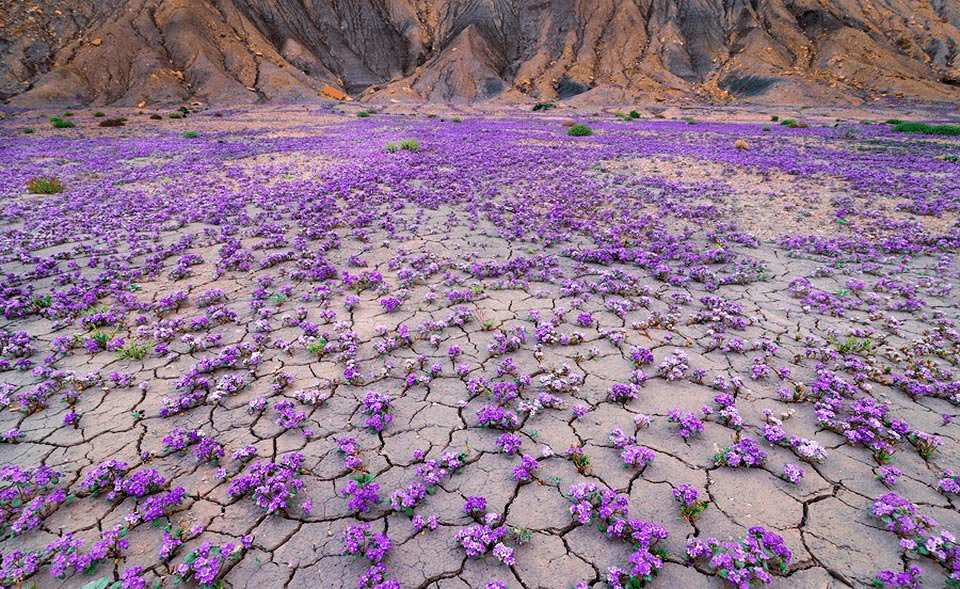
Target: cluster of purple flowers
(791, 473)
(674, 366)
(351, 453)
(727, 412)
(494, 416)
(27, 496)
(377, 406)
(745, 453)
(632, 454)
(362, 492)
(272, 484)
(621, 393)
(861, 421)
(691, 505)
(908, 579)
(949, 483)
(509, 443)
(486, 536)
(688, 425)
(358, 541)
(428, 476)
(926, 444)
(610, 511)
(205, 565)
(509, 341)
(808, 450)
(918, 534)
(524, 471)
(888, 474)
(744, 562)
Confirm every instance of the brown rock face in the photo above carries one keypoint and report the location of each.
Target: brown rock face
(236, 51)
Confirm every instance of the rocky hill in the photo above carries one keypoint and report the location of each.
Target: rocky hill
(130, 52)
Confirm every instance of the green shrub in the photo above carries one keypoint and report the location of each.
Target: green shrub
(456, 119)
(190, 135)
(579, 131)
(634, 114)
(894, 122)
(28, 130)
(788, 122)
(543, 106)
(363, 114)
(408, 144)
(945, 130)
(774, 118)
(134, 352)
(175, 115)
(45, 185)
(68, 113)
(690, 120)
(61, 124)
(927, 129)
(99, 114)
(766, 128)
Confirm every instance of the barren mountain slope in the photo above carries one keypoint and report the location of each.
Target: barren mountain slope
(229, 51)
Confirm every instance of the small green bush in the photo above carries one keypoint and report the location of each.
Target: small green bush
(543, 106)
(45, 185)
(927, 129)
(68, 113)
(894, 122)
(456, 120)
(190, 135)
(99, 114)
(579, 131)
(766, 128)
(774, 118)
(134, 352)
(61, 124)
(28, 130)
(175, 115)
(945, 130)
(788, 122)
(363, 114)
(634, 114)
(408, 144)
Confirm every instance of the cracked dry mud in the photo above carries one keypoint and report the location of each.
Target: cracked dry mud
(548, 261)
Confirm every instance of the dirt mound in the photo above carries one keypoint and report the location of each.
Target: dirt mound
(236, 51)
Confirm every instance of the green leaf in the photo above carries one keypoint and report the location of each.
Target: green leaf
(101, 583)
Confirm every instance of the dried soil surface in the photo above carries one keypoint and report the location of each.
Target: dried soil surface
(811, 272)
